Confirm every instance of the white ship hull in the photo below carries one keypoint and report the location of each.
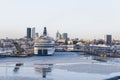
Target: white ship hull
(44, 51)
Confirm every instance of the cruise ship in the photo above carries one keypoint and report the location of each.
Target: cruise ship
(44, 45)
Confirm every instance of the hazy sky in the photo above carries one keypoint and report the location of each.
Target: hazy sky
(79, 18)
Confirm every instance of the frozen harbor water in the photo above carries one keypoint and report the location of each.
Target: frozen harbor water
(60, 66)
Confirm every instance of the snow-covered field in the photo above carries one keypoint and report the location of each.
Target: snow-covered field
(65, 65)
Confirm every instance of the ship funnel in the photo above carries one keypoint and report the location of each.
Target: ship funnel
(45, 32)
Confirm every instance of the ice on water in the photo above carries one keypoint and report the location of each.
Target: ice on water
(71, 65)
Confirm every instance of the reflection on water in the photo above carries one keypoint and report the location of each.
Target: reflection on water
(17, 67)
(25, 71)
(43, 68)
(101, 59)
(61, 66)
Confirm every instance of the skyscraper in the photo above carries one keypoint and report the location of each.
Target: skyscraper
(36, 35)
(28, 32)
(33, 33)
(45, 32)
(65, 36)
(108, 39)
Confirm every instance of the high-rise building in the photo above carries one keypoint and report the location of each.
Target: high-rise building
(108, 39)
(28, 32)
(65, 36)
(58, 35)
(36, 35)
(33, 33)
(45, 32)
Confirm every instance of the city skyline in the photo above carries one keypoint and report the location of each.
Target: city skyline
(82, 19)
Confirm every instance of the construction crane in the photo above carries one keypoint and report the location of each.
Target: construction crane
(18, 48)
(20, 51)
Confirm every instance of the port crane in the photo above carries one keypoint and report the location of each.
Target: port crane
(20, 52)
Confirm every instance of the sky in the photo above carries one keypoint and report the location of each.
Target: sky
(84, 19)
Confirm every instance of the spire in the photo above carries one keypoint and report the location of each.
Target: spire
(45, 32)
